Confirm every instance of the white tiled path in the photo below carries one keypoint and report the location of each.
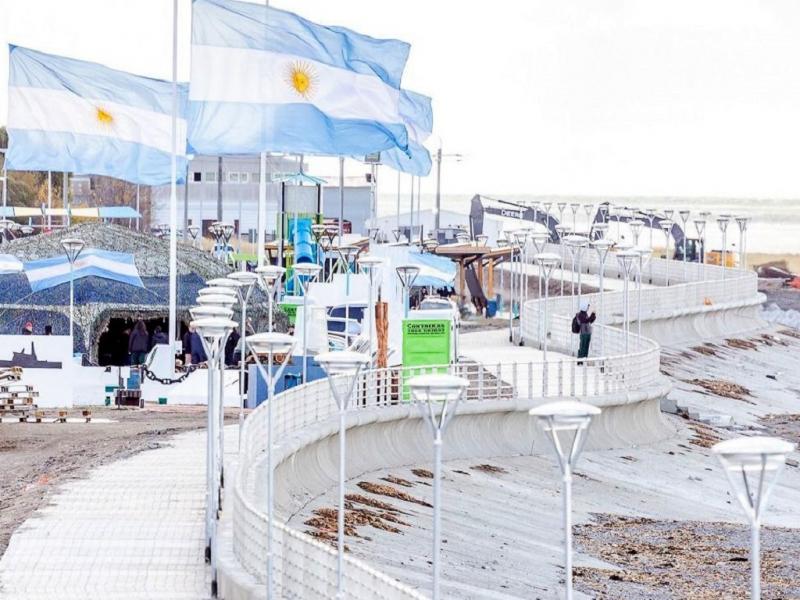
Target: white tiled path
(131, 530)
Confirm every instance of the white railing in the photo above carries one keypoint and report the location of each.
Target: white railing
(306, 568)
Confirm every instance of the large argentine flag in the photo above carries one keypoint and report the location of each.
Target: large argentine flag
(265, 79)
(417, 113)
(81, 117)
(50, 272)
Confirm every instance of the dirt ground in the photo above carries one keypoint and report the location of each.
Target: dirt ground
(37, 458)
(684, 559)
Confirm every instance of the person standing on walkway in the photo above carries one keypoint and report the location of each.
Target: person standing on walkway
(584, 320)
(159, 337)
(138, 343)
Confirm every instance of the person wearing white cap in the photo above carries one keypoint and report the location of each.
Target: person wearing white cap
(582, 325)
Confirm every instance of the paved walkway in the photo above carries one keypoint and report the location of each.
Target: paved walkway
(131, 530)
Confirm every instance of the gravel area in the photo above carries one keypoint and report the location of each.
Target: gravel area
(656, 560)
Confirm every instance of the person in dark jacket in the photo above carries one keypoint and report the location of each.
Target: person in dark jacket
(28, 329)
(196, 346)
(187, 346)
(585, 320)
(138, 343)
(230, 347)
(159, 337)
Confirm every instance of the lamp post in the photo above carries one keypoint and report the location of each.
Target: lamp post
(562, 231)
(752, 466)
(437, 397)
(348, 255)
(270, 344)
(626, 259)
(270, 277)
(540, 239)
(396, 233)
(72, 248)
(574, 206)
(547, 262)
(566, 423)
(318, 231)
(722, 222)
(305, 274)
(650, 215)
(213, 332)
(666, 227)
(344, 366)
(700, 227)
(246, 281)
(588, 209)
(369, 264)
(520, 239)
(644, 256)
(684, 215)
(407, 274)
(561, 206)
(636, 229)
(742, 222)
(193, 231)
(602, 247)
(438, 207)
(576, 244)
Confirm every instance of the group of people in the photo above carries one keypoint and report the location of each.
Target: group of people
(140, 342)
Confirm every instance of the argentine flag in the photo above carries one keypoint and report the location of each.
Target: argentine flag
(263, 79)
(81, 117)
(418, 116)
(49, 272)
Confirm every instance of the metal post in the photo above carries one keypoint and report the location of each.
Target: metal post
(341, 199)
(399, 179)
(437, 509)
(438, 207)
(262, 209)
(567, 494)
(50, 199)
(72, 304)
(64, 198)
(173, 195)
(270, 479)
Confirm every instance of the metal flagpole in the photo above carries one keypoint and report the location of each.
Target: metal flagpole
(173, 194)
(399, 179)
(411, 214)
(139, 220)
(262, 208)
(341, 199)
(50, 199)
(64, 198)
(185, 204)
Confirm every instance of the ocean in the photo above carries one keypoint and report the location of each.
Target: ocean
(774, 226)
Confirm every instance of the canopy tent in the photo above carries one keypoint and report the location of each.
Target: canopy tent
(299, 178)
(434, 271)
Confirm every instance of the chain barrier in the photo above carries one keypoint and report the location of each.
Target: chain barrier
(166, 380)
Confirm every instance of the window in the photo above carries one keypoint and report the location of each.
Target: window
(255, 177)
(197, 177)
(233, 177)
(211, 176)
(243, 177)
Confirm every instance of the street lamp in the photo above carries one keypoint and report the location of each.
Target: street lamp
(742, 222)
(396, 233)
(574, 206)
(193, 231)
(722, 222)
(644, 256)
(213, 332)
(666, 227)
(305, 273)
(481, 239)
(758, 461)
(318, 231)
(567, 423)
(700, 227)
(246, 281)
(562, 231)
(520, 240)
(437, 397)
(636, 229)
(576, 244)
(540, 239)
(684, 216)
(547, 262)
(561, 206)
(348, 255)
(342, 369)
(407, 274)
(270, 344)
(369, 264)
(602, 246)
(72, 248)
(626, 260)
(588, 209)
(439, 157)
(270, 278)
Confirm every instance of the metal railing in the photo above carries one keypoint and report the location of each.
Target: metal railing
(305, 567)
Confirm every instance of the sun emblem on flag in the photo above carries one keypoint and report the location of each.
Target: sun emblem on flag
(303, 78)
(104, 117)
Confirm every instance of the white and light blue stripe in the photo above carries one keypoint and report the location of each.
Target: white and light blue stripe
(53, 123)
(417, 113)
(49, 272)
(434, 271)
(241, 99)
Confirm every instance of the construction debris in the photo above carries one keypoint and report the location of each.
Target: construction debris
(391, 492)
(424, 473)
(488, 469)
(725, 389)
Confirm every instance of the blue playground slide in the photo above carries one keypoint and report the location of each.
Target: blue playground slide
(303, 243)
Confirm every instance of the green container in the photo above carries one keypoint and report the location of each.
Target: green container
(291, 311)
(162, 400)
(108, 400)
(110, 389)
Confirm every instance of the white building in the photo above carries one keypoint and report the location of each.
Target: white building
(237, 186)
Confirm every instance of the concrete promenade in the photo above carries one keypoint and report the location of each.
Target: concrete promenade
(132, 530)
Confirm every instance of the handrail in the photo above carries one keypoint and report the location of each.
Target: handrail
(306, 567)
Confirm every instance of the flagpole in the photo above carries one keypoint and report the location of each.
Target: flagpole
(341, 199)
(65, 198)
(49, 199)
(139, 218)
(173, 194)
(262, 208)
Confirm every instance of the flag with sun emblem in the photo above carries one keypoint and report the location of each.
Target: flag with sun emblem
(264, 79)
(418, 116)
(81, 117)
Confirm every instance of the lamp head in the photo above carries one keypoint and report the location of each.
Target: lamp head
(72, 247)
(269, 274)
(209, 310)
(223, 300)
(368, 263)
(223, 282)
(342, 363)
(270, 343)
(244, 279)
(564, 415)
(217, 291)
(212, 328)
(407, 275)
(437, 387)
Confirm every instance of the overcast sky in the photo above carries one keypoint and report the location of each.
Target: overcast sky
(623, 97)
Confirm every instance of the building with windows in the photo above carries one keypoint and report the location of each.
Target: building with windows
(226, 189)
